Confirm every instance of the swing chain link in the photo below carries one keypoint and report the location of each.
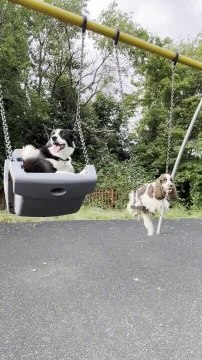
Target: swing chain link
(115, 43)
(119, 69)
(8, 147)
(170, 118)
(78, 109)
(124, 130)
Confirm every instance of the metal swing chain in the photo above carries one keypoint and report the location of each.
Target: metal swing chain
(119, 70)
(169, 126)
(8, 147)
(78, 109)
(116, 38)
(170, 118)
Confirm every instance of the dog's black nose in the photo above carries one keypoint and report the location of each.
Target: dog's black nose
(54, 138)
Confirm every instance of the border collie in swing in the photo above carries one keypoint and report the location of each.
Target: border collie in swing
(54, 156)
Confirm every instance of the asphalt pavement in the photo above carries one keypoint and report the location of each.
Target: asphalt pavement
(100, 290)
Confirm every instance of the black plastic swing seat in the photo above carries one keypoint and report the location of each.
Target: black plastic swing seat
(45, 194)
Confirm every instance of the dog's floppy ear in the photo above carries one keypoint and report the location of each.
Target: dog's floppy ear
(159, 192)
(47, 130)
(75, 134)
(172, 195)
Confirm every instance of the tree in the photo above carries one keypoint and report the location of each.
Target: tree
(14, 64)
(150, 136)
(39, 71)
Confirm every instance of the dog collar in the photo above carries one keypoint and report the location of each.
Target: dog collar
(64, 160)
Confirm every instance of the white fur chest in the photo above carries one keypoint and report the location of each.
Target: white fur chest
(61, 165)
(152, 204)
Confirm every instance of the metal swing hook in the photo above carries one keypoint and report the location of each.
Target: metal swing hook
(175, 59)
(116, 37)
(84, 24)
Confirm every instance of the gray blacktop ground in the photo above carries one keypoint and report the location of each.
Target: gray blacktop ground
(100, 290)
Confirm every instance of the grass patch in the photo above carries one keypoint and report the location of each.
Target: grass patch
(181, 212)
(95, 213)
(85, 213)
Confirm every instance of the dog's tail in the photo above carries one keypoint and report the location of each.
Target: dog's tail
(131, 196)
(130, 203)
(33, 161)
(30, 152)
(30, 157)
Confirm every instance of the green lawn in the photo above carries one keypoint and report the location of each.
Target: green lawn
(95, 213)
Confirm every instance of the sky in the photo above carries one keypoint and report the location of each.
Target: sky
(178, 19)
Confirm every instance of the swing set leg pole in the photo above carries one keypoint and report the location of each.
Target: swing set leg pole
(177, 162)
(159, 225)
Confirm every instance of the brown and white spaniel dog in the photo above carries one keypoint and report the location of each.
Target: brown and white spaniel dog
(152, 197)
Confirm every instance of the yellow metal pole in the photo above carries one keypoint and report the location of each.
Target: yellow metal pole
(77, 20)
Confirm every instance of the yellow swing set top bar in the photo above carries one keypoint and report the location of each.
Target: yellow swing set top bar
(77, 20)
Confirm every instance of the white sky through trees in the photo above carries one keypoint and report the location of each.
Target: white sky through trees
(178, 19)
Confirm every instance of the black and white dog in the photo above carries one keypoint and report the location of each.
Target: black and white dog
(54, 156)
